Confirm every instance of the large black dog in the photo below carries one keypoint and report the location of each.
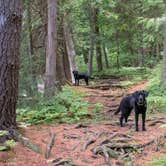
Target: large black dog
(136, 101)
(78, 76)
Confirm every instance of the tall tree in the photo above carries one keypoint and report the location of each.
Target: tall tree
(163, 78)
(98, 43)
(10, 29)
(91, 38)
(51, 53)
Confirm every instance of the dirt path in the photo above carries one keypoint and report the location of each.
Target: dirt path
(71, 139)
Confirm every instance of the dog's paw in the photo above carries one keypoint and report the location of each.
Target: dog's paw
(136, 129)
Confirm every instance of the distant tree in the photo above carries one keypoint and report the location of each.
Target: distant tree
(163, 78)
(10, 30)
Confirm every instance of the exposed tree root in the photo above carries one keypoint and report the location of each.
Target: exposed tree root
(61, 162)
(121, 147)
(80, 125)
(90, 141)
(25, 141)
(50, 145)
(156, 122)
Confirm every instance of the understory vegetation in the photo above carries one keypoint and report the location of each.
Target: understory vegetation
(69, 105)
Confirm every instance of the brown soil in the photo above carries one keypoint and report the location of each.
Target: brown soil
(70, 138)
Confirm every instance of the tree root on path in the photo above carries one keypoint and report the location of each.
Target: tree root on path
(121, 147)
(91, 140)
(61, 162)
(156, 122)
(50, 145)
(25, 141)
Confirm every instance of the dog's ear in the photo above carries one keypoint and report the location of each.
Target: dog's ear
(135, 94)
(146, 93)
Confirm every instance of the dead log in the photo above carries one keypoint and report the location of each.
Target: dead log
(50, 145)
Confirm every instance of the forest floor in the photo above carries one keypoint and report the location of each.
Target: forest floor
(98, 142)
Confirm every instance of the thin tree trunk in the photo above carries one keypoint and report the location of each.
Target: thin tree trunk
(105, 56)
(70, 48)
(98, 44)
(118, 50)
(51, 53)
(33, 82)
(163, 77)
(91, 44)
(140, 38)
(10, 30)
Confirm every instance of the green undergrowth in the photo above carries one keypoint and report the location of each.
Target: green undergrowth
(67, 106)
(160, 161)
(8, 144)
(128, 75)
(157, 92)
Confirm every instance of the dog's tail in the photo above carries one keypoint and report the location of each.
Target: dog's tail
(117, 111)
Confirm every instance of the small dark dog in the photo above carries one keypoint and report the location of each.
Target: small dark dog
(136, 101)
(78, 76)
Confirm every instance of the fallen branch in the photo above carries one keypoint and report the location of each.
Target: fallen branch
(50, 145)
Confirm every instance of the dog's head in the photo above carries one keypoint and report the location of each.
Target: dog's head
(140, 97)
(75, 72)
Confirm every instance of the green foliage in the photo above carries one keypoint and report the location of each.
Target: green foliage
(160, 161)
(66, 106)
(157, 92)
(3, 148)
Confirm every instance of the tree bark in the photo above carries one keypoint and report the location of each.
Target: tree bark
(51, 53)
(70, 48)
(10, 30)
(98, 44)
(105, 56)
(163, 77)
(91, 44)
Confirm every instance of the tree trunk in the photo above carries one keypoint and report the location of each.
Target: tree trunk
(163, 77)
(70, 48)
(118, 50)
(98, 43)
(33, 81)
(51, 53)
(10, 30)
(91, 44)
(105, 56)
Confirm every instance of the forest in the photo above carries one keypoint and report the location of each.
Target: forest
(83, 83)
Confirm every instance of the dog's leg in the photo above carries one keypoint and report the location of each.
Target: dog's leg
(121, 121)
(78, 82)
(87, 81)
(126, 118)
(143, 121)
(136, 121)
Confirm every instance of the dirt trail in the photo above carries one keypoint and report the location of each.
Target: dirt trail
(71, 139)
